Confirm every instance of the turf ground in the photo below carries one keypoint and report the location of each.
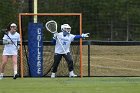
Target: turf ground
(105, 61)
(71, 85)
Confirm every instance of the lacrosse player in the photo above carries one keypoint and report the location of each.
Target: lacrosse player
(10, 41)
(63, 49)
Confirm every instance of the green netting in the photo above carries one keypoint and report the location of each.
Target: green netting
(105, 20)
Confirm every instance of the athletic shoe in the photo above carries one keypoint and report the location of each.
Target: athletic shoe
(15, 76)
(53, 75)
(71, 74)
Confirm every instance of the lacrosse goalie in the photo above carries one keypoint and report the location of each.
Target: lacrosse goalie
(62, 48)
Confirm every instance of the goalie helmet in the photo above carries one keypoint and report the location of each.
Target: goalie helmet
(66, 28)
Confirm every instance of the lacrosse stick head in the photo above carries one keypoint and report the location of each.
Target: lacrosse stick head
(51, 26)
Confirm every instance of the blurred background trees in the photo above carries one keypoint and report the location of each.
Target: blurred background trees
(112, 20)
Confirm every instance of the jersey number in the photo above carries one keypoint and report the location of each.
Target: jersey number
(64, 43)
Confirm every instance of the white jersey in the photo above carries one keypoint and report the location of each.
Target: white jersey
(11, 49)
(65, 41)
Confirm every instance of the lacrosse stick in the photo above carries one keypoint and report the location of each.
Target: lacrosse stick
(51, 26)
(5, 32)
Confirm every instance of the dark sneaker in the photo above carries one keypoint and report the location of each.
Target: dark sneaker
(15, 76)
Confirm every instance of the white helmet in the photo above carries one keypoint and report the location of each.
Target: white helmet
(13, 24)
(66, 27)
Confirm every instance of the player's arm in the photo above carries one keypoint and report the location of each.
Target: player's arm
(5, 40)
(83, 35)
(18, 41)
(53, 41)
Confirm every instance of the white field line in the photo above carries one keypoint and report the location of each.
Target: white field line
(115, 59)
(107, 67)
(131, 69)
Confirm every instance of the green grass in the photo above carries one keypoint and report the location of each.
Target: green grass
(71, 85)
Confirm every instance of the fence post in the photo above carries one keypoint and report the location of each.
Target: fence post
(88, 58)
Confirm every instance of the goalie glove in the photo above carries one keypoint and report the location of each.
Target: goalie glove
(85, 35)
(54, 36)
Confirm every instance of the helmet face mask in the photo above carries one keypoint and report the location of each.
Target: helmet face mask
(66, 28)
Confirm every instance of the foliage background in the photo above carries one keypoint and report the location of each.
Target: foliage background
(113, 20)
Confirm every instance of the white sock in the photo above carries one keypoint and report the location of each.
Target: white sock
(15, 72)
(15, 69)
(2, 74)
(71, 72)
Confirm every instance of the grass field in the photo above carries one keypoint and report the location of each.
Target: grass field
(71, 85)
(113, 60)
(105, 61)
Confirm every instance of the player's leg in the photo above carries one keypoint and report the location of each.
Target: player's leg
(14, 59)
(69, 60)
(3, 64)
(57, 58)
